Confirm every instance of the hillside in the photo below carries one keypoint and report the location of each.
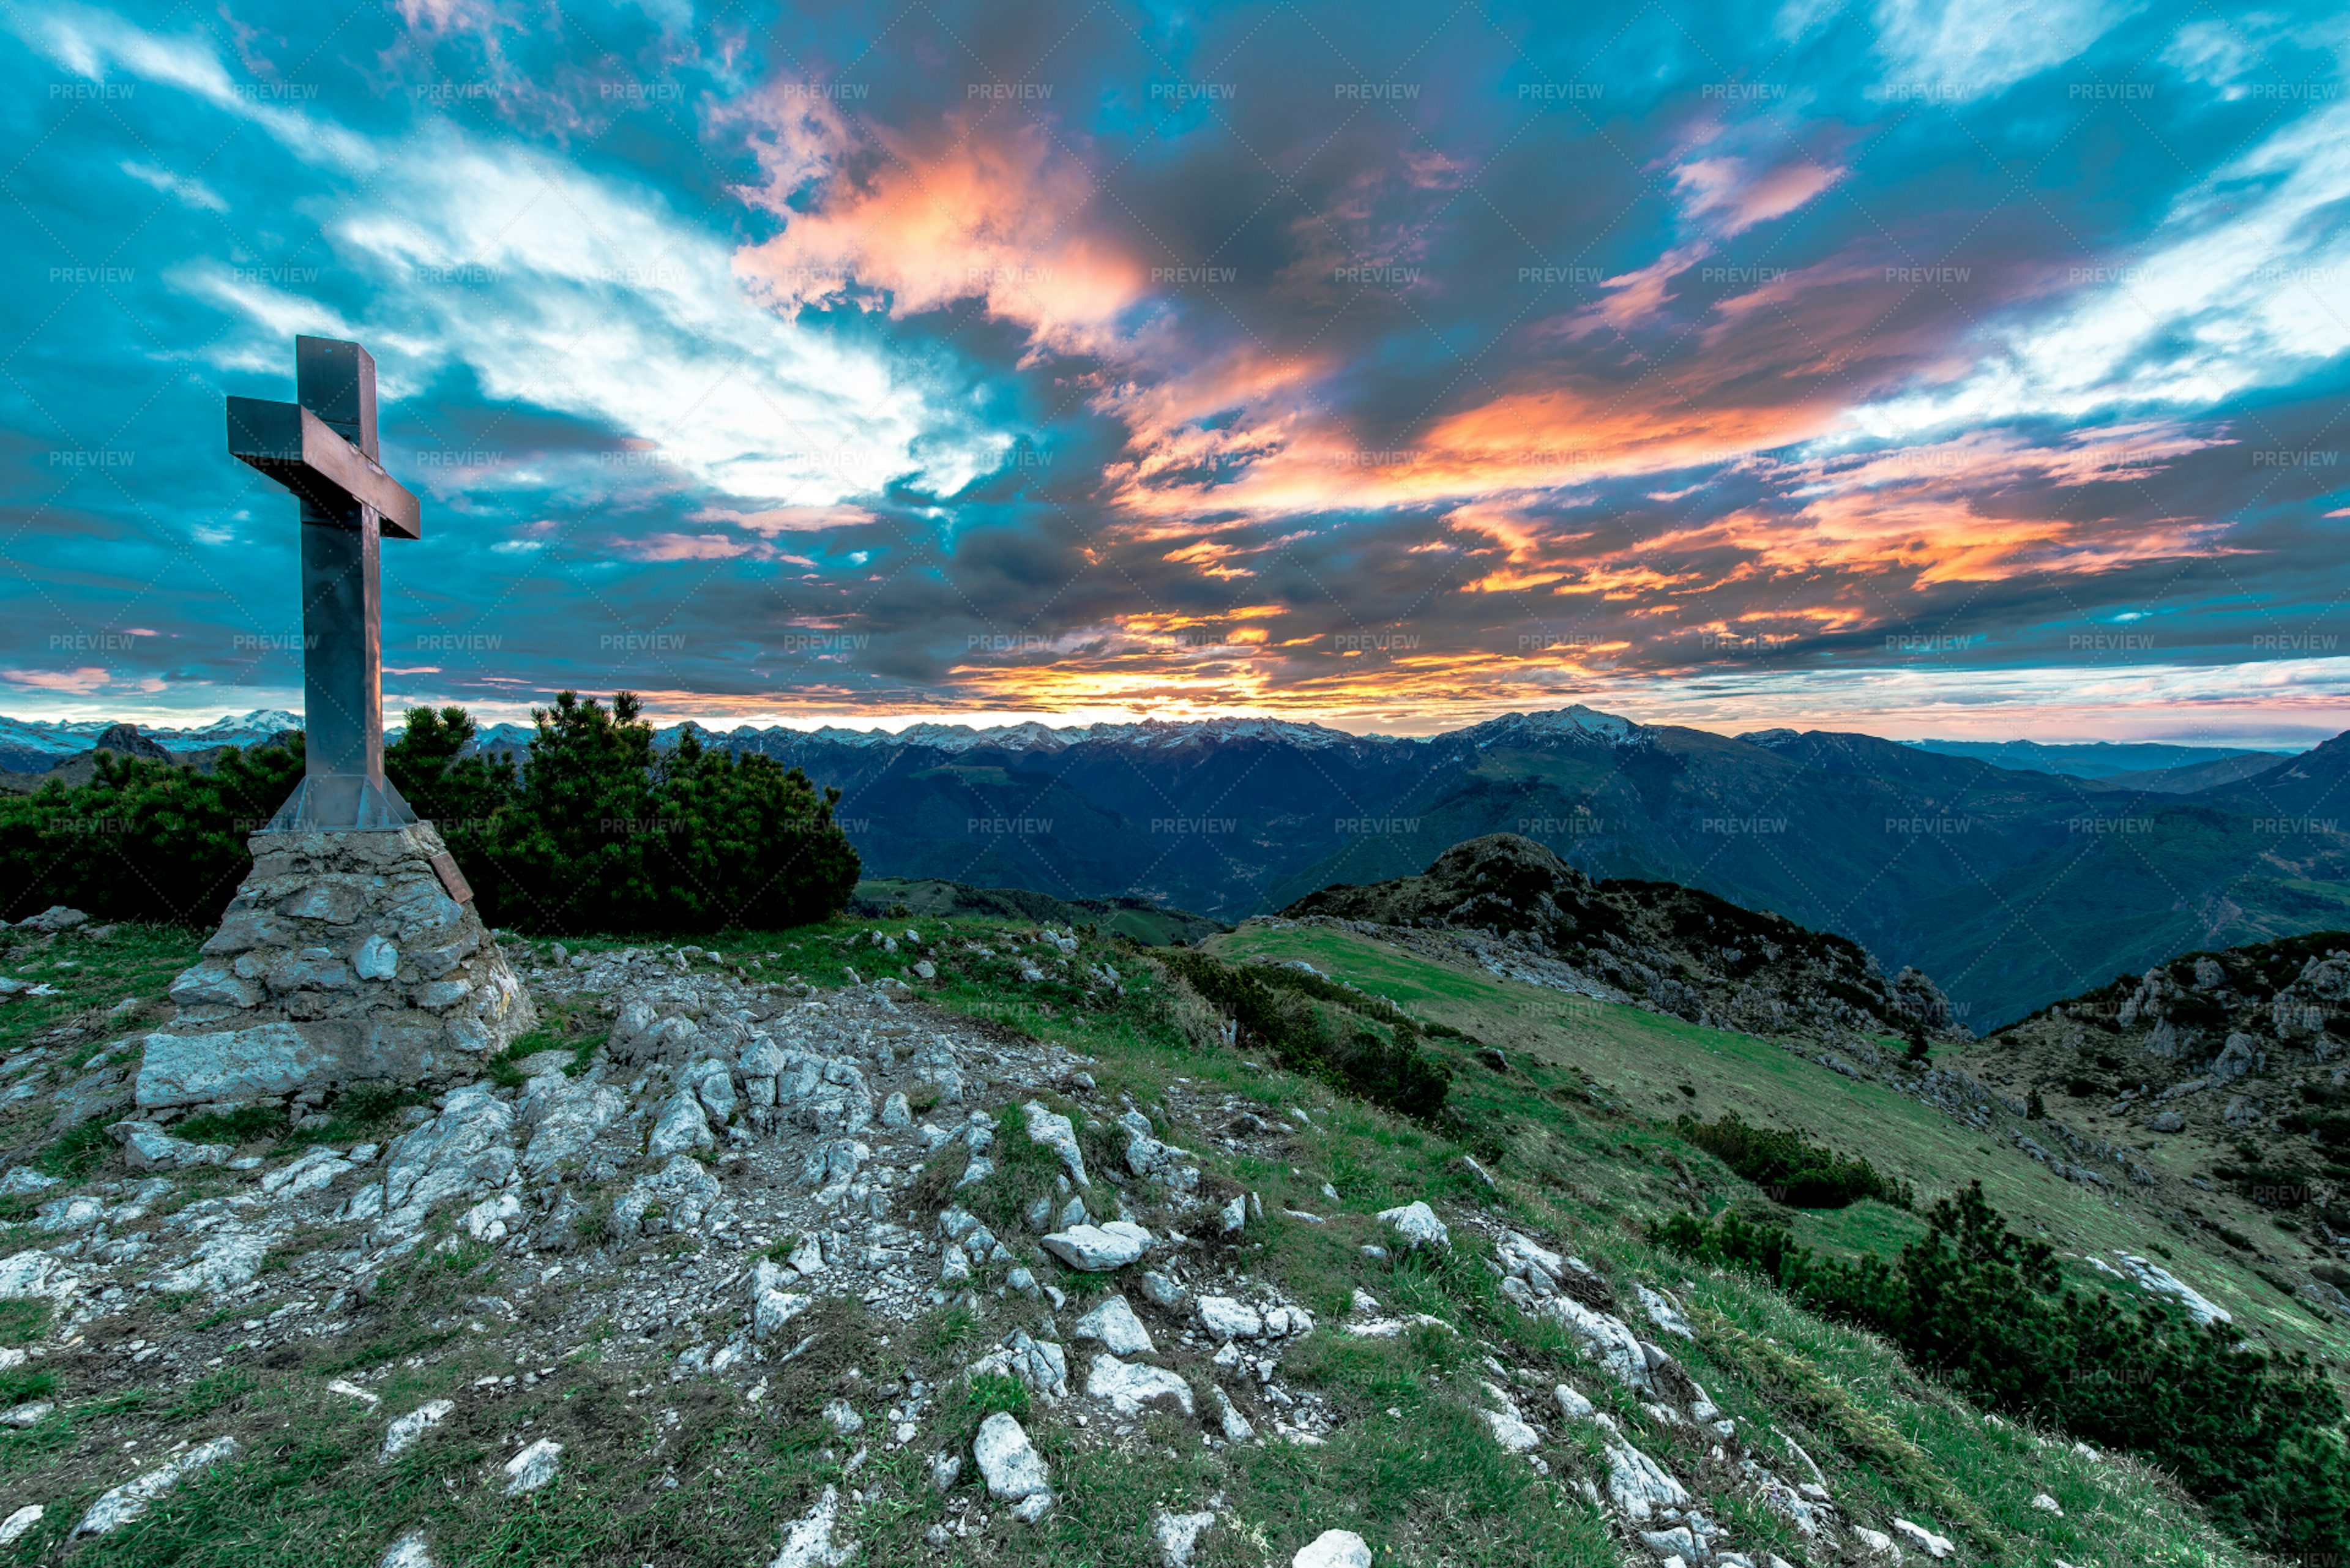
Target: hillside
(1514, 908)
(509, 1323)
(2230, 1063)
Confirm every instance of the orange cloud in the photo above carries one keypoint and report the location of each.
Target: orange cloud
(989, 209)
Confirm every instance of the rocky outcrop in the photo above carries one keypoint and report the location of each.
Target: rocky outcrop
(344, 959)
(1517, 910)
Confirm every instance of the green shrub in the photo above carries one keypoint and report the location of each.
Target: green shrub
(1790, 1167)
(142, 840)
(2254, 1436)
(602, 832)
(1363, 1044)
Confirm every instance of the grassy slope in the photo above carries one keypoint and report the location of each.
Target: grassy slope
(1410, 1467)
(1637, 1062)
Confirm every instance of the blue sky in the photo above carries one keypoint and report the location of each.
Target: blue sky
(1922, 369)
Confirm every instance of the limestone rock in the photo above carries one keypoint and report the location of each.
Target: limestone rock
(682, 1195)
(1334, 1549)
(14, 1528)
(536, 1467)
(1416, 1225)
(1098, 1249)
(146, 1146)
(683, 1126)
(1114, 1325)
(1128, 1386)
(1014, 1471)
(410, 1551)
(135, 1496)
(403, 1434)
(1056, 1133)
(465, 1151)
(1177, 1535)
(808, 1542)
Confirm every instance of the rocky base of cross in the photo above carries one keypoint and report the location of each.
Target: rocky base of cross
(343, 959)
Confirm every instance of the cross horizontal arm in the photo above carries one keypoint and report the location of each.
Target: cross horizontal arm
(301, 451)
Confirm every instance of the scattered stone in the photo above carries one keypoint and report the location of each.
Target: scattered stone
(1334, 1549)
(1160, 1290)
(2046, 1504)
(147, 1147)
(1235, 1426)
(12, 1528)
(946, 1469)
(1128, 1386)
(1177, 1535)
(534, 1467)
(1935, 1546)
(1098, 1249)
(1664, 1315)
(808, 1542)
(26, 1415)
(403, 1433)
(1228, 1319)
(1416, 1225)
(1014, 1471)
(842, 1418)
(1056, 1133)
(1114, 1325)
(1234, 1215)
(410, 1551)
(133, 1497)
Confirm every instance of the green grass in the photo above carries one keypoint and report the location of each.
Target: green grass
(1630, 1064)
(1577, 1132)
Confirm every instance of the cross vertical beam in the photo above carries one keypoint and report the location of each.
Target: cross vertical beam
(323, 448)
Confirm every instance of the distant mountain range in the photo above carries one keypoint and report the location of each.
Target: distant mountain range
(35, 745)
(2010, 887)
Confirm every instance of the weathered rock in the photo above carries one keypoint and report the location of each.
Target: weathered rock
(1098, 1249)
(1228, 1319)
(536, 1467)
(1235, 1426)
(135, 1496)
(1128, 1386)
(1058, 1133)
(14, 1528)
(1178, 1535)
(682, 1195)
(1113, 1324)
(465, 1151)
(55, 918)
(1931, 1543)
(1334, 1549)
(1509, 1428)
(1639, 1485)
(1040, 1364)
(147, 1147)
(403, 1433)
(410, 1551)
(563, 1118)
(683, 1126)
(808, 1542)
(1416, 1225)
(1014, 1471)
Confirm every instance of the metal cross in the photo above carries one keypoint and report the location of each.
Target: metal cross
(323, 449)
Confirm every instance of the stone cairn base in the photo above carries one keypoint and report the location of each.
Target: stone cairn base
(346, 958)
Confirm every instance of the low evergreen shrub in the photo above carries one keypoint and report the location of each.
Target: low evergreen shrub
(1363, 1044)
(2254, 1436)
(1790, 1167)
